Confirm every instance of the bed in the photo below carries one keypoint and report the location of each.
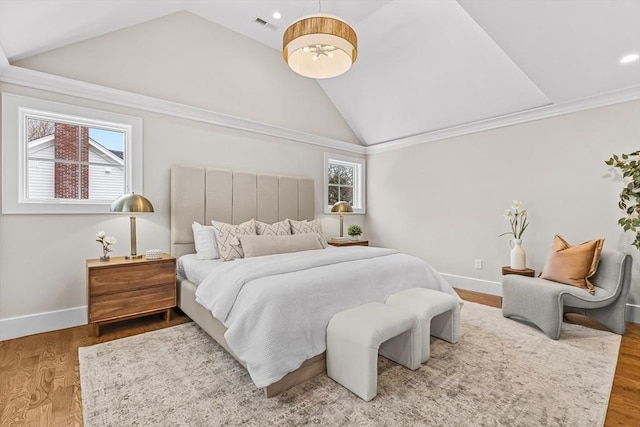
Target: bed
(203, 194)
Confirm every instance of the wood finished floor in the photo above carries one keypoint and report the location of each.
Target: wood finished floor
(40, 378)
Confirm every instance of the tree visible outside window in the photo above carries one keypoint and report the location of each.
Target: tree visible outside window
(344, 181)
(340, 183)
(61, 158)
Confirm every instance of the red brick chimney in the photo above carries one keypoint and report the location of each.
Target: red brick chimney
(71, 143)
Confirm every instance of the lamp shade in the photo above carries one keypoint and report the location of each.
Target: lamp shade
(132, 203)
(319, 46)
(342, 207)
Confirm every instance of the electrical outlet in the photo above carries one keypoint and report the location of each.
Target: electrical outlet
(477, 264)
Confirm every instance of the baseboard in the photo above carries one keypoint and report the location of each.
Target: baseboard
(632, 313)
(15, 327)
(476, 285)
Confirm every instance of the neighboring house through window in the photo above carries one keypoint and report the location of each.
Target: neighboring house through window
(344, 180)
(67, 159)
(69, 164)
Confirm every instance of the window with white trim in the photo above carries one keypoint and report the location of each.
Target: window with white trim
(344, 180)
(59, 158)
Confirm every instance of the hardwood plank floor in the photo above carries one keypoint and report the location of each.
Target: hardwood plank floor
(40, 377)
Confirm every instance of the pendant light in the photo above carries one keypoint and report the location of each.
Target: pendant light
(320, 46)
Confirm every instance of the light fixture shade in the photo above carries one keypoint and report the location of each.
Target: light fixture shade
(132, 203)
(319, 46)
(341, 207)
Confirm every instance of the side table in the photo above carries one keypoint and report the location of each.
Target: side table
(526, 272)
(122, 288)
(349, 243)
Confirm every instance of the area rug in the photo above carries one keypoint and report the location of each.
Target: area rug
(501, 373)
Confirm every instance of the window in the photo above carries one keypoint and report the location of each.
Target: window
(344, 180)
(60, 158)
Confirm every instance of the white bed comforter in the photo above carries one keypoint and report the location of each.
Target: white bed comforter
(277, 307)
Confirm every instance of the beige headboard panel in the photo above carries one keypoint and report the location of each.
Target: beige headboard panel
(202, 194)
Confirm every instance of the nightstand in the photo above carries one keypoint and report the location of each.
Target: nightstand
(349, 243)
(526, 272)
(121, 289)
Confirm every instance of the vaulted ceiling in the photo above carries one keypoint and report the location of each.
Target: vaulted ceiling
(423, 66)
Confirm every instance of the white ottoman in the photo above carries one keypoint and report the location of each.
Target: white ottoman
(439, 314)
(353, 339)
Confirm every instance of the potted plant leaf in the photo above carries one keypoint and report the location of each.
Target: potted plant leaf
(354, 231)
(629, 165)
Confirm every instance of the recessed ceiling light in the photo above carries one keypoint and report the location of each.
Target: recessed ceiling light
(630, 58)
(276, 15)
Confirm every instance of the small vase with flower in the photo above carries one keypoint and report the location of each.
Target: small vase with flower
(517, 218)
(106, 242)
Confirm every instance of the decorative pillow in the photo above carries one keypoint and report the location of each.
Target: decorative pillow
(268, 245)
(204, 237)
(227, 237)
(281, 228)
(304, 227)
(573, 265)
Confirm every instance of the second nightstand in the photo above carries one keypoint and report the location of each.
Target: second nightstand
(121, 288)
(349, 243)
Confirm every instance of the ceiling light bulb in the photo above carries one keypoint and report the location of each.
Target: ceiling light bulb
(630, 58)
(276, 15)
(306, 49)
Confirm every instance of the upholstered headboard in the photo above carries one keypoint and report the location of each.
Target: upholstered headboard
(202, 194)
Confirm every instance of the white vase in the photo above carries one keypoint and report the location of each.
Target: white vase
(518, 256)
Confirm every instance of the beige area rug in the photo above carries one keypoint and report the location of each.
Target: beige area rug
(501, 373)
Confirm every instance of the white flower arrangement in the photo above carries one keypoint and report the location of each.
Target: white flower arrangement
(105, 241)
(517, 218)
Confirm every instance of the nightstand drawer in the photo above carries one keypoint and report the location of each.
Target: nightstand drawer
(134, 302)
(131, 277)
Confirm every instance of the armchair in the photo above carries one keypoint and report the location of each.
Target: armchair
(544, 303)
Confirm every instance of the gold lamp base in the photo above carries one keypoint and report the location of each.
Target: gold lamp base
(133, 256)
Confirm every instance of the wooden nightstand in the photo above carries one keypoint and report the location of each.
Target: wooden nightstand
(121, 289)
(349, 243)
(526, 272)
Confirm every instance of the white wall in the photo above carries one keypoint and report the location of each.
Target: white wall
(180, 58)
(443, 201)
(42, 257)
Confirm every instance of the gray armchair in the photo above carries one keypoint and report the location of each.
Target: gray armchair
(544, 303)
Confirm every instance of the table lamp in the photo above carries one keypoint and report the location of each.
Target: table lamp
(132, 203)
(341, 208)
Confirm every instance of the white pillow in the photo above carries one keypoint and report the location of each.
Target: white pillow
(204, 237)
(304, 227)
(281, 228)
(227, 238)
(269, 245)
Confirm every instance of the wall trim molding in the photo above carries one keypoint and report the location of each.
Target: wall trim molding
(66, 86)
(471, 284)
(544, 112)
(632, 313)
(16, 327)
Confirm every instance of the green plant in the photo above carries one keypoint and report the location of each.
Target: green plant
(629, 165)
(354, 230)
